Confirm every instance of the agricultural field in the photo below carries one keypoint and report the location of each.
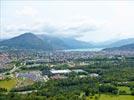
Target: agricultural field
(124, 88)
(8, 84)
(23, 82)
(12, 83)
(112, 97)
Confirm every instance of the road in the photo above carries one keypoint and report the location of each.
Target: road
(12, 70)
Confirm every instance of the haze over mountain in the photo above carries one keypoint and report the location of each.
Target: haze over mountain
(56, 43)
(64, 42)
(25, 41)
(128, 47)
(115, 43)
(47, 42)
(43, 42)
(122, 42)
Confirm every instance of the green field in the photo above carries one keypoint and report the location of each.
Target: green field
(8, 84)
(112, 97)
(124, 88)
(24, 82)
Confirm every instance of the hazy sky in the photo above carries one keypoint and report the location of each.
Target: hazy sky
(85, 20)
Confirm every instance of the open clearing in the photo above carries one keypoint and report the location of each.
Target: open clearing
(8, 84)
(112, 97)
(124, 88)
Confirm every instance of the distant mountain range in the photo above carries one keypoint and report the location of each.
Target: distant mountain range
(64, 43)
(56, 43)
(128, 47)
(46, 42)
(114, 43)
(42, 42)
(122, 42)
(122, 45)
(60, 43)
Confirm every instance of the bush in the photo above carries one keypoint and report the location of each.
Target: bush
(3, 90)
(108, 89)
(132, 93)
(122, 92)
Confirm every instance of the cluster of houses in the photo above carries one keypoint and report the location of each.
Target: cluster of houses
(52, 74)
(60, 74)
(32, 75)
(4, 60)
(2, 77)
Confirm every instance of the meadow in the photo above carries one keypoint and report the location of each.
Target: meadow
(111, 97)
(8, 84)
(124, 88)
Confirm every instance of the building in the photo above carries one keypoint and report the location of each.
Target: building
(65, 71)
(79, 71)
(94, 75)
(32, 75)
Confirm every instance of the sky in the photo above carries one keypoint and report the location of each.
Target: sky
(95, 21)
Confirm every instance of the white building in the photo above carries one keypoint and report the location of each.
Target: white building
(66, 71)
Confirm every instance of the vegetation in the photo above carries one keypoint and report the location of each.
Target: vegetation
(110, 97)
(115, 81)
(8, 84)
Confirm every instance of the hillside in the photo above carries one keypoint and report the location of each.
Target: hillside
(25, 41)
(122, 42)
(128, 47)
(42, 42)
(114, 43)
(55, 42)
(64, 42)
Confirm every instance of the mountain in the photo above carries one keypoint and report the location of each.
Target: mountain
(64, 42)
(128, 47)
(55, 42)
(47, 42)
(114, 43)
(76, 44)
(25, 41)
(42, 42)
(122, 42)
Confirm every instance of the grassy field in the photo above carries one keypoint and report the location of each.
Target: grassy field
(24, 82)
(112, 97)
(124, 88)
(8, 84)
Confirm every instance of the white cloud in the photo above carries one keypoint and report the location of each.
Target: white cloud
(27, 11)
(87, 20)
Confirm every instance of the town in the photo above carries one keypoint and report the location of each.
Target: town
(21, 71)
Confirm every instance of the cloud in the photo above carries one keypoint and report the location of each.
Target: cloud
(75, 28)
(49, 29)
(81, 28)
(27, 11)
(71, 28)
(89, 21)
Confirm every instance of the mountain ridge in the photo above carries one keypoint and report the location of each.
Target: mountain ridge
(42, 42)
(65, 42)
(128, 47)
(25, 41)
(47, 42)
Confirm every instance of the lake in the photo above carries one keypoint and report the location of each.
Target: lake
(88, 49)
